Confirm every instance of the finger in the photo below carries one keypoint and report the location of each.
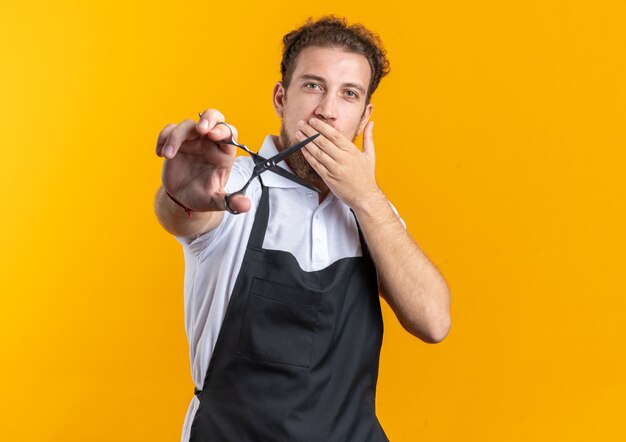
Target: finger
(322, 142)
(209, 125)
(223, 132)
(208, 119)
(315, 163)
(331, 134)
(315, 150)
(240, 203)
(368, 141)
(162, 137)
(183, 132)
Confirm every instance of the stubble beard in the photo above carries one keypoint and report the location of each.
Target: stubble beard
(296, 161)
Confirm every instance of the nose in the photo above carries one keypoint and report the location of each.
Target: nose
(326, 108)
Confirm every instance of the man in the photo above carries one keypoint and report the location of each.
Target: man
(282, 309)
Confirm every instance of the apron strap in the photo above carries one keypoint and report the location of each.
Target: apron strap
(257, 235)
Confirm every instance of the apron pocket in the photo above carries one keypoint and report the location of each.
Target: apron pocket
(279, 323)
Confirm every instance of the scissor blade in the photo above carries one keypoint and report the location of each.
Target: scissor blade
(286, 174)
(271, 162)
(285, 153)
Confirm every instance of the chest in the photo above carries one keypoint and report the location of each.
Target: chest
(317, 234)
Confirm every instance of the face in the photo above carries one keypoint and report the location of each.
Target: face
(329, 84)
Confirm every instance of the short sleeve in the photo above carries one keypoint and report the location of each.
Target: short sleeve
(196, 245)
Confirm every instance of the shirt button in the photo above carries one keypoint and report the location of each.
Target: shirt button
(318, 240)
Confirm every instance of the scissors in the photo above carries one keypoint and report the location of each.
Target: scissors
(263, 164)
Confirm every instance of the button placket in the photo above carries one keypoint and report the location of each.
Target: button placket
(318, 237)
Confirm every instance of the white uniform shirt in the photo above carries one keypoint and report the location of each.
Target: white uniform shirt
(317, 234)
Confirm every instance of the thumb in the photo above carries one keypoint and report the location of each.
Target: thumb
(368, 141)
(240, 203)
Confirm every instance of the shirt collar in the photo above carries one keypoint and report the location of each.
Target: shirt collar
(270, 179)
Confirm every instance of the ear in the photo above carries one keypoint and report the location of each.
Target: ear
(367, 113)
(278, 99)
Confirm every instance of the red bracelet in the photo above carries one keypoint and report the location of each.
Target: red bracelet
(186, 209)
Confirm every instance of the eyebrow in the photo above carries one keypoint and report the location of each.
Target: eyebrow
(323, 81)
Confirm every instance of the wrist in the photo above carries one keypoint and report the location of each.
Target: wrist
(371, 204)
(187, 210)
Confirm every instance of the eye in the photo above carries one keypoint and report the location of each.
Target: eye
(312, 86)
(351, 94)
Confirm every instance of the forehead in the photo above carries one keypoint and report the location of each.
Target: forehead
(334, 65)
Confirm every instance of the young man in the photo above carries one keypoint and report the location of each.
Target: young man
(282, 309)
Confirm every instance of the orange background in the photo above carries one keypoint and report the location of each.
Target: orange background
(500, 137)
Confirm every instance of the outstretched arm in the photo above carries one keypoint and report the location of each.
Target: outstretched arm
(195, 171)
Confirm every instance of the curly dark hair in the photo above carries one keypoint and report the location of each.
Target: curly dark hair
(332, 31)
